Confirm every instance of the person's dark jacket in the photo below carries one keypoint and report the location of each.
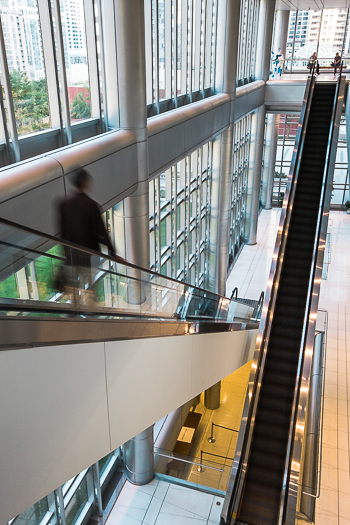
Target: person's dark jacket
(81, 223)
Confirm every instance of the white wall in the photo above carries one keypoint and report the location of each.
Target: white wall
(64, 407)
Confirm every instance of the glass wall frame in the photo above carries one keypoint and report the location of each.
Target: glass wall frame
(241, 148)
(179, 202)
(180, 65)
(47, 45)
(247, 39)
(76, 500)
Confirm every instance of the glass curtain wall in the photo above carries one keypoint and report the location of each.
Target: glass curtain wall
(248, 29)
(242, 131)
(180, 51)
(50, 70)
(76, 499)
(179, 218)
(286, 138)
(25, 59)
(340, 193)
(288, 126)
(325, 32)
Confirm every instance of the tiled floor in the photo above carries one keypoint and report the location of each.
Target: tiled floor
(162, 504)
(217, 454)
(333, 506)
(251, 270)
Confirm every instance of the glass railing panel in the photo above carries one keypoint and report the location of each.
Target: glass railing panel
(42, 273)
(208, 471)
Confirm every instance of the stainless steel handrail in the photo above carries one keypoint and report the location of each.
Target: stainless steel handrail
(311, 304)
(320, 426)
(171, 456)
(235, 487)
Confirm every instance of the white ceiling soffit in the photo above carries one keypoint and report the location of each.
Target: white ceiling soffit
(315, 5)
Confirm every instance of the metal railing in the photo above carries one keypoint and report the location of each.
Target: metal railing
(211, 438)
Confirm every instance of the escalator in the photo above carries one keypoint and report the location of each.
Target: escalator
(38, 282)
(261, 475)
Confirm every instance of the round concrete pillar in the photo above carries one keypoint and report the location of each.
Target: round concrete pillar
(139, 459)
(212, 396)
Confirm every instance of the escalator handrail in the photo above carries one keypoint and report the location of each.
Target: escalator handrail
(239, 469)
(116, 259)
(308, 308)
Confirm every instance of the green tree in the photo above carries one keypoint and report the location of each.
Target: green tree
(80, 106)
(30, 101)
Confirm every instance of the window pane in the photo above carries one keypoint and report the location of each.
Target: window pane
(33, 515)
(22, 35)
(74, 41)
(77, 503)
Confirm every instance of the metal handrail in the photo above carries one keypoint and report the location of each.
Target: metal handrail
(270, 299)
(320, 426)
(287, 470)
(234, 293)
(171, 456)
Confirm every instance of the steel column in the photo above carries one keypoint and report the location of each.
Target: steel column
(265, 30)
(139, 459)
(254, 175)
(220, 211)
(281, 31)
(130, 38)
(227, 48)
(268, 174)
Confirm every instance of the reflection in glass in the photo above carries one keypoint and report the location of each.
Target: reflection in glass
(74, 41)
(22, 35)
(77, 503)
(33, 515)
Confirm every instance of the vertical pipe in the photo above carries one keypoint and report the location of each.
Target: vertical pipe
(269, 160)
(265, 30)
(254, 175)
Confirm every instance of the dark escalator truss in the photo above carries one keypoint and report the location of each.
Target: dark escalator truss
(261, 478)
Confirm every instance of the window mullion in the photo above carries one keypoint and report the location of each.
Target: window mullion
(148, 45)
(62, 72)
(167, 51)
(156, 53)
(9, 100)
(50, 64)
(91, 38)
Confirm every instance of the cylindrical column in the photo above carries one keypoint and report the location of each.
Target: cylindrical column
(264, 40)
(131, 64)
(226, 76)
(281, 31)
(139, 459)
(220, 212)
(254, 174)
(225, 81)
(212, 396)
(268, 174)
